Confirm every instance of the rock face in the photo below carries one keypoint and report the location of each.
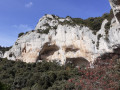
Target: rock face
(115, 4)
(53, 40)
(1, 54)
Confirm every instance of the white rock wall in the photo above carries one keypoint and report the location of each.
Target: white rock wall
(29, 46)
(115, 4)
(1, 54)
(65, 41)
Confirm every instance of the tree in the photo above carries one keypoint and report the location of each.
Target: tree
(4, 87)
(20, 34)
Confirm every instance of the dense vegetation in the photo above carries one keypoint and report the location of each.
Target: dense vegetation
(104, 76)
(51, 76)
(35, 76)
(20, 34)
(48, 28)
(4, 86)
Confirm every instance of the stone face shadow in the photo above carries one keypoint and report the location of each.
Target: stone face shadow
(115, 4)
(80, 61)
(47, 50)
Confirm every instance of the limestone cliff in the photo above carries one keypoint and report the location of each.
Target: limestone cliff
(1, 54)
(56, 38)
(115, 4)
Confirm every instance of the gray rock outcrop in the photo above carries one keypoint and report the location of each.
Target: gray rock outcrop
(115, 4)
(1, 54)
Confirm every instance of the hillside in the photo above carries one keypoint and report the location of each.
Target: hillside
(65, 54)
(17, 75)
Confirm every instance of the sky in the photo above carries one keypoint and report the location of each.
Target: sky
(22, 15)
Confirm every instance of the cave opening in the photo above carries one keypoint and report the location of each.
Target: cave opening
(47, 50)
(80, 61)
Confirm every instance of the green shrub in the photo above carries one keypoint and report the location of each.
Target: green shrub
(98, 38)
(107, 26)
(4, 87)
(20, 75)
(51, 76)
(46, 24)
(46, 31)
(65, 22)
(20, 34)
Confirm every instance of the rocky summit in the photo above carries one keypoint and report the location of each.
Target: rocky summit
(65, 39)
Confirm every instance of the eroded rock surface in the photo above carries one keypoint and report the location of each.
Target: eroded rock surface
(63, 41)
(115, 4)
(1, 54)
(54, 40)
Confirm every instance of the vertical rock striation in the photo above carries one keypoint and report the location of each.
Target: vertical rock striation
(115, 4)
(1, 54)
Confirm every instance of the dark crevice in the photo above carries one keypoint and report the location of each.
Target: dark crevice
(47, 50)
(80, 61)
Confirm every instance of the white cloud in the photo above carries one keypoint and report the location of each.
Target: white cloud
(28, 5)
(22, 28)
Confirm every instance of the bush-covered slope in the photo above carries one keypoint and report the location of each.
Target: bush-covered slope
(42, 76)
(50, 76)
(4, 87)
